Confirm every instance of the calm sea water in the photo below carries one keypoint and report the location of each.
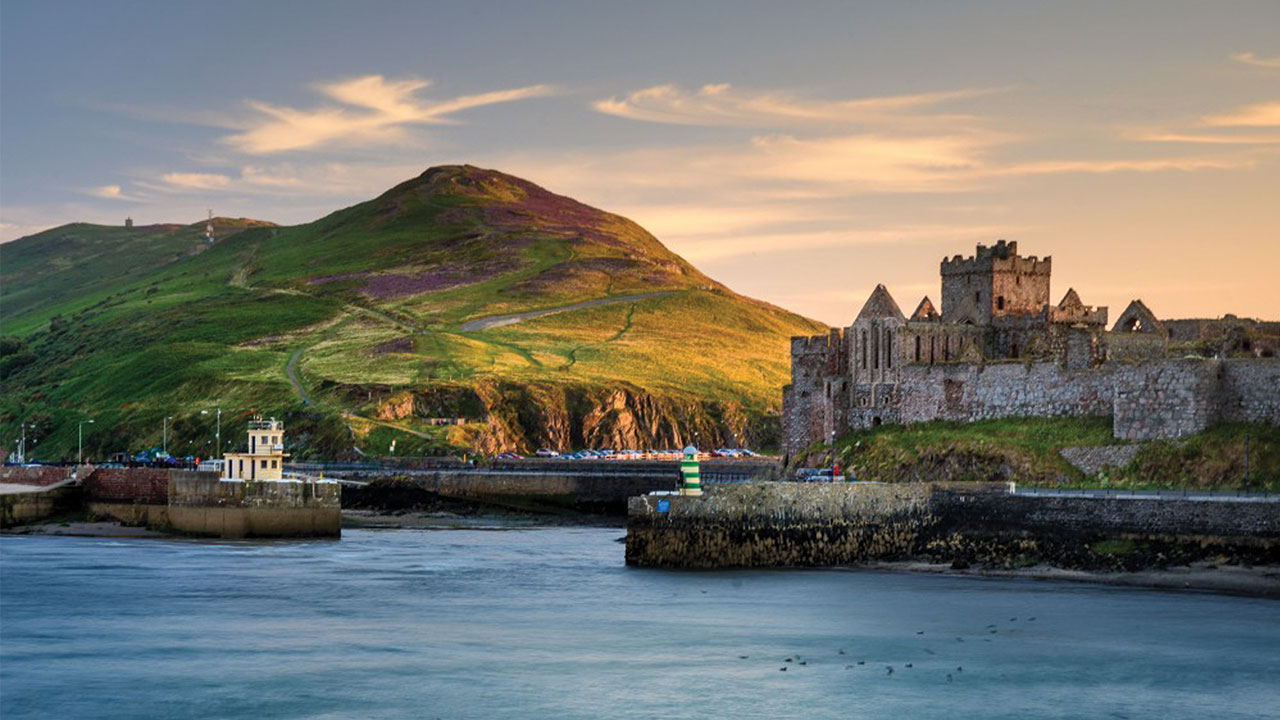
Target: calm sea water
(550, 623)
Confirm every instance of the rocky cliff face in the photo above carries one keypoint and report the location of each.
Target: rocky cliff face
(523, 417)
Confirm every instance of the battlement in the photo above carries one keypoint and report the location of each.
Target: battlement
(1088, 315)
(1001, 257)
(815, 345)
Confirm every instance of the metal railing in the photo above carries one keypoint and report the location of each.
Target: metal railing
(1119, 494)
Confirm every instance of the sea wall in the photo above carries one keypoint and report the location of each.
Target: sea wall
(786, 525)
(133, 496)
(20, 508)
(581, 485)
(128, 485)
(41, 476)
(203, 504)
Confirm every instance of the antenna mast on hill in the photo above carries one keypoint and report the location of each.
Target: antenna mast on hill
(208, 229)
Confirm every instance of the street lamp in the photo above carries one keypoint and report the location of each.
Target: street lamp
(22, 443)
(835, 463)
(80, 449)
(217, 434)
(165, 436)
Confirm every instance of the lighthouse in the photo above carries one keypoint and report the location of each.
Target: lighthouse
(690, 480)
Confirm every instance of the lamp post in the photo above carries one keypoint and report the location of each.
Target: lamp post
(835, 463)
(165, 435)
(217, 433)
(80, 449)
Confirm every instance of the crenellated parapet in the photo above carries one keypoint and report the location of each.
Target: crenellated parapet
(1001, 257)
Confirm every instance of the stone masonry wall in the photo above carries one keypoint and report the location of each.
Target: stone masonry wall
(202, 504)
(800, 524)
(1149, 399)
(967, 392)
(148, 486)
(1166, 398)
(1251, 390)
(40, 476)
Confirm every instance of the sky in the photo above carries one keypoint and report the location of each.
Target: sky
(799, 152)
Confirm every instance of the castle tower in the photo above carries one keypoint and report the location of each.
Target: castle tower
(265, 459)
(994, 282)
(128, 222)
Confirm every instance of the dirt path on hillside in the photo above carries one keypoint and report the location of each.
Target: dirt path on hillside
(302, 393)
(494, 321)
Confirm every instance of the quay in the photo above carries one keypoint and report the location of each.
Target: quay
(964, 524)
(223, 504)
(601, 487)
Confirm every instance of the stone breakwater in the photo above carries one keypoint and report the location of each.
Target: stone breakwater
(964, 524)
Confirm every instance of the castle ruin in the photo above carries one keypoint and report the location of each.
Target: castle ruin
(997, 348)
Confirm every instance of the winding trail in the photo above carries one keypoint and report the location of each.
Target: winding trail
(293, 378)
(494, 321)
(573, 354)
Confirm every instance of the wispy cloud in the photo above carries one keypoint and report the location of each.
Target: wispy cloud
(723, 105)
(110, 192)
(1249, 58)
(312, 180)
(1263, 114)
(1209, 139)
(1185, 164)
(197, 181)
(369, 109)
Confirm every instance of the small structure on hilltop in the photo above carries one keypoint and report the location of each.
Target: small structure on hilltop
(128, 222)
(265, 459)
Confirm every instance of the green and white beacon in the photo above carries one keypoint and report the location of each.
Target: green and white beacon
(690, 481)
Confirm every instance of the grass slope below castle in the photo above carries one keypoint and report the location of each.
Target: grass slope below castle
(1028, 450)
(371, 300)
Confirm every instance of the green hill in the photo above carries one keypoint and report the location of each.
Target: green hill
(460, 294)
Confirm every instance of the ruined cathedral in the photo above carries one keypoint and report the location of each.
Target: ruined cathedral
(999, 347)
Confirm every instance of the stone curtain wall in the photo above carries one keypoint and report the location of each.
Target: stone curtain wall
(967, 392)
(1251, 390)
(1152, 399)
(1166, 399)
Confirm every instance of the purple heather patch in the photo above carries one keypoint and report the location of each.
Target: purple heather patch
(441, 278)
(335, 278)
(398, 345)
(553, 212)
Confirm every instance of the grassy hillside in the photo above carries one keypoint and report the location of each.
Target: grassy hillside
(383, 301)
(69, 266)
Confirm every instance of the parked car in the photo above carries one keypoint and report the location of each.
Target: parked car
(547, 453)
(814, 475)
(211, 466)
